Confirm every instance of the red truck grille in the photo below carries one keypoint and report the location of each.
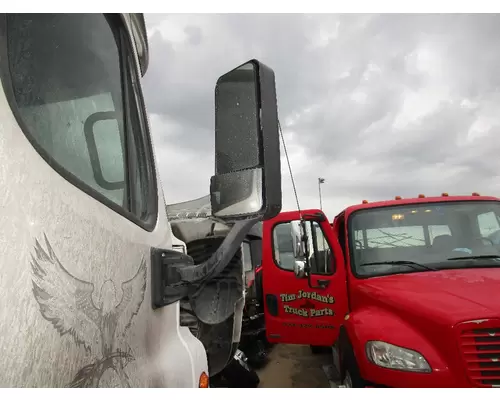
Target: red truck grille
(480, 348)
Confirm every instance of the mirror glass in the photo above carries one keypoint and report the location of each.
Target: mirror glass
(284, 243)
(237, 193)
(237, 123)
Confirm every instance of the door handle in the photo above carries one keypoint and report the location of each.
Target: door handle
(322, 283)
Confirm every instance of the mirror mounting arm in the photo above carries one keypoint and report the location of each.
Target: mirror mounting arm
(174, 275)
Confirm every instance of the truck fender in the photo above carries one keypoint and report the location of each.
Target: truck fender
(374, 323)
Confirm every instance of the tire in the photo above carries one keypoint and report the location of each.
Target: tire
(336, 363)
(351, 376)
(258, 362)
(257, 355)
(317, 349)
(237, 376)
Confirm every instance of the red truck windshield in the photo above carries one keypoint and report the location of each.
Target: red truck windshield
(426, 235)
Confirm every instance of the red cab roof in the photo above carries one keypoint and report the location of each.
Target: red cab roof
(417, 200)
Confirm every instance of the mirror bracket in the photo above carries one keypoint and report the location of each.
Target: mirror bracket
(166, 283)
(300, 269)
(175, 276)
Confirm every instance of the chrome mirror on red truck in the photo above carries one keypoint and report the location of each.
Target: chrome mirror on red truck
(300, 269)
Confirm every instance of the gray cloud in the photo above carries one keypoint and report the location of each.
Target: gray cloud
(379, 105)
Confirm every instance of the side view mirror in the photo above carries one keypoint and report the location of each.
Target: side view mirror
(245, 189)
(247, 180)
(299, 250)
(299, 269)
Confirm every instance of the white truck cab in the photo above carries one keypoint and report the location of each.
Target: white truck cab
(90, 281)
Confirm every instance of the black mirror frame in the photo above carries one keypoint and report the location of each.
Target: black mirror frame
(269, 143)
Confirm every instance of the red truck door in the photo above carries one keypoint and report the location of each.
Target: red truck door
(308, 310)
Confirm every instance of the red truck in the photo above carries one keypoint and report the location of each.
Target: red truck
(406, 292)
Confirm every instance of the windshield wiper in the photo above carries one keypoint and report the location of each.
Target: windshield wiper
(411, 264)
(484, 256)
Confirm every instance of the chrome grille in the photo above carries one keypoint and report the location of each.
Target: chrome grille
(480, 348)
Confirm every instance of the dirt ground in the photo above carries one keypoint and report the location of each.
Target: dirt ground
(293, 366)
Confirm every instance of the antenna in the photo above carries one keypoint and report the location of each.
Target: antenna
(290, 169)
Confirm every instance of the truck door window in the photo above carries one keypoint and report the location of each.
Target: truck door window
(341, 236)
(320, 253)
(75, 94)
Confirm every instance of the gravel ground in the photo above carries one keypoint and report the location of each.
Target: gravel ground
(293, 366)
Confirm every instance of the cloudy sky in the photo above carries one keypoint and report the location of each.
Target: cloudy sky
(378, 105)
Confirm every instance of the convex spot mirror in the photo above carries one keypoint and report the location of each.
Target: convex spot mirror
(247, 180)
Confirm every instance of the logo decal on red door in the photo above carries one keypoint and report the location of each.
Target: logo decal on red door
(308, 304)
(301, 294)
(308, 308)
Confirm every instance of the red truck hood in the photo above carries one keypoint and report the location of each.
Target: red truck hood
(452, 296)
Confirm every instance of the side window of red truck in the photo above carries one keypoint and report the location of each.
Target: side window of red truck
(320, 257)
(320, 252)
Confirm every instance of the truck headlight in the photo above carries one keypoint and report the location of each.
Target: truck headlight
(394, 357)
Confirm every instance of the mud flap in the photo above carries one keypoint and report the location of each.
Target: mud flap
(220, 339)
(217, 305)
(218, 343)
(216, 300)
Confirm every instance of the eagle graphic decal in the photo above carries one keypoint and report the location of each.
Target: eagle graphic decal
(67, 302)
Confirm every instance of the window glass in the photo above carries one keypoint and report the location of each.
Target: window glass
(320, 255)
(438, 230)
(423, 236)
(283, 246)
(395, 236)
(70, 85)
(488, 223)
(319, 252)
